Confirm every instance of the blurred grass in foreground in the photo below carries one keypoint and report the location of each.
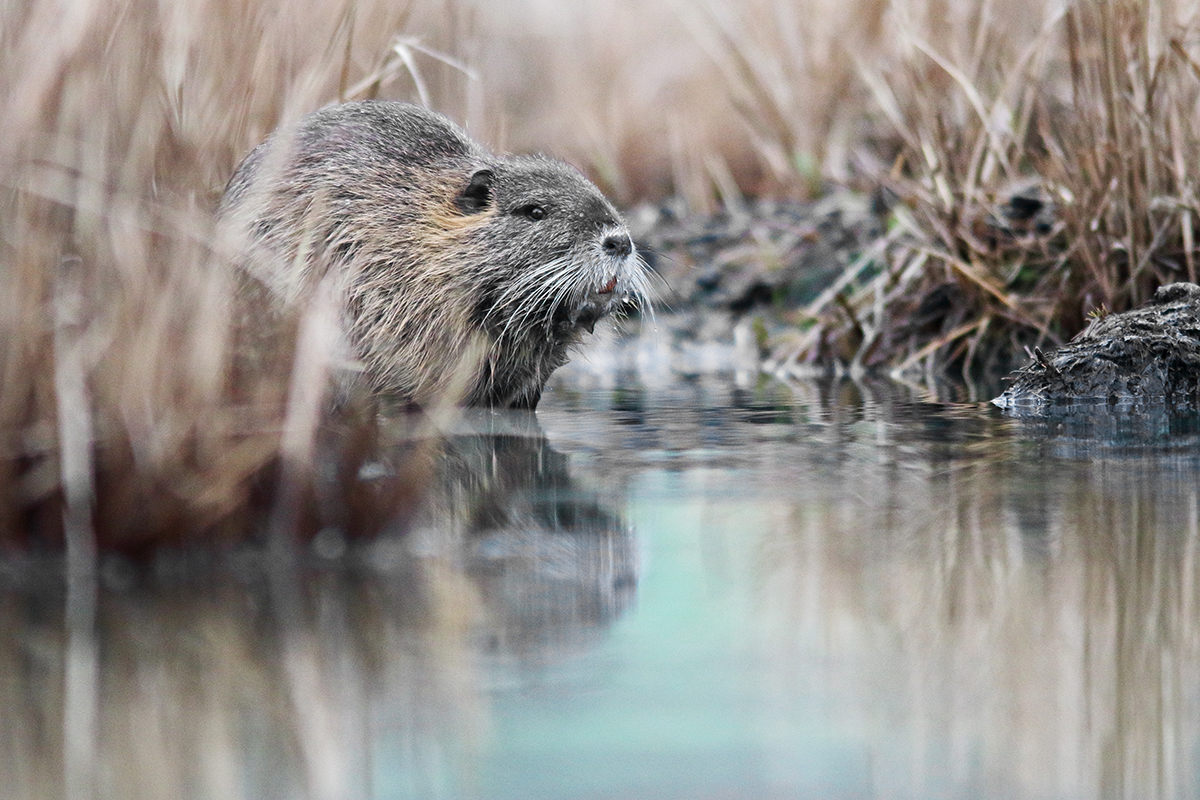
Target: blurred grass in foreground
(121, 402)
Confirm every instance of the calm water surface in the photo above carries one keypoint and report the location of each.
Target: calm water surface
(690, 588)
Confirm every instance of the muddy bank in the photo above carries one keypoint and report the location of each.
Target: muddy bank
(784, 281)
(1145, 357)
(749, 279)
(777, 254)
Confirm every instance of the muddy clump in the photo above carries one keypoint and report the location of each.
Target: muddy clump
(1149, 356)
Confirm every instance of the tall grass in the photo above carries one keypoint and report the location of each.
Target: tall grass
(1042, 160)
(119, 400)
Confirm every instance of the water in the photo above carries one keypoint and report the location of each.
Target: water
(713, 586)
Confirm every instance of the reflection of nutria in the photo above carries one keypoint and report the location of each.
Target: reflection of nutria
(463, 272)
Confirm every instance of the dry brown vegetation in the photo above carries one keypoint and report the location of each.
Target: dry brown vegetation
(1045, 170)
(120, 404)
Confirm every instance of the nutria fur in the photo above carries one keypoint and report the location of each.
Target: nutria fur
(464, 275)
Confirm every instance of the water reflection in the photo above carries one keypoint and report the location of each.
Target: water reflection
(946, 602)
(552, 562)
(999, 624)
(684, 589)
(226, 675)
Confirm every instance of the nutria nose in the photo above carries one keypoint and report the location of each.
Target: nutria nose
(618, 244)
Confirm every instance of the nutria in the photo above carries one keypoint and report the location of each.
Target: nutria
(460, 272)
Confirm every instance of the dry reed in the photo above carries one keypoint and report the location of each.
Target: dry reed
(122, 413)
(1041, 166)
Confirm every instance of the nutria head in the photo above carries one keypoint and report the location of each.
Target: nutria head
(462, 272)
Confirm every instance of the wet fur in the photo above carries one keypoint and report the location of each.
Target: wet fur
(451, 289)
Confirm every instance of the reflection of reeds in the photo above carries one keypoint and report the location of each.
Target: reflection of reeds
(225, 694)
(1018, 628)
(331, 672)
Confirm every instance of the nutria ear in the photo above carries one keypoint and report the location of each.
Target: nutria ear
(477, 196)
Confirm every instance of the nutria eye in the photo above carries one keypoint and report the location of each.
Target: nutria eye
(534, 212)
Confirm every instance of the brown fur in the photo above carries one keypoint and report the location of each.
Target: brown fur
(454, 287)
